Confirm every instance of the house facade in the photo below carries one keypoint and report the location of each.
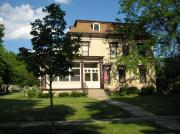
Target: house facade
(96, 66)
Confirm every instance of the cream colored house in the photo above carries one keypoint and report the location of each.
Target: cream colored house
(95, 68)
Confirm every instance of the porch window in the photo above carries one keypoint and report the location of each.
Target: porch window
(122, 76)
(142, 74)
(125, 50)
(113, 49)
(75, 73)
(91, 65)
(87, 75)
(95, 75)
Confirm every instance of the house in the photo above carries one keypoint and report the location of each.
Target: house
(95, 68)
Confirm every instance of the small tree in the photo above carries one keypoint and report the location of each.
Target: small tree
(53, 48)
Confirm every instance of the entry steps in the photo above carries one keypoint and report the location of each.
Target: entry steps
(98, 94)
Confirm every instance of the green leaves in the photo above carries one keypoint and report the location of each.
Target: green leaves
(53, 48)
(159, 18)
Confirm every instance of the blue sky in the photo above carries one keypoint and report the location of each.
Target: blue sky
(16, 15)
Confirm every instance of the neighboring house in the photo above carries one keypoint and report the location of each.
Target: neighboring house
(95, 67)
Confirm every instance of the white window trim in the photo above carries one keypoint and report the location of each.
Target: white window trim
(98, 25)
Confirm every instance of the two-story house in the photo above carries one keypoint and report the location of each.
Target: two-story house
(95, 68)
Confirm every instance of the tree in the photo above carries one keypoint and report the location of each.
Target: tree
(2, 62)
(53, 48)
(28, 57)
(160, 18)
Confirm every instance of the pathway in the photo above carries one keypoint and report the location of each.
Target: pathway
(78, 122)
(164, 121)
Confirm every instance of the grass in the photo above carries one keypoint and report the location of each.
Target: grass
(94, 128)
(160, 105)
(15, 108)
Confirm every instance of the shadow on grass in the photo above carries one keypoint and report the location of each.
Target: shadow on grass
(61, 129)
(160, 105)
(25, 110)
(101, 110)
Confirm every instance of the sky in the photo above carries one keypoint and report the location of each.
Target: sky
(16, 15)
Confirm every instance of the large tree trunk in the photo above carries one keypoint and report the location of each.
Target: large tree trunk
(51, 94)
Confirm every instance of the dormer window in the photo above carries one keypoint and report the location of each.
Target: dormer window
(96, 27)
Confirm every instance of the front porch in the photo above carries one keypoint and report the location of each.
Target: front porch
(87, 74)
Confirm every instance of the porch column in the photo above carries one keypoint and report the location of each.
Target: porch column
(81, 67)
(101, 73)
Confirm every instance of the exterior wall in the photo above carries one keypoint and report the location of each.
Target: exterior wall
(99, 47)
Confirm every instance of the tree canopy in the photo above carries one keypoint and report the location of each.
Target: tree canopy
(13, 71)
(160, 18)
(53, 48)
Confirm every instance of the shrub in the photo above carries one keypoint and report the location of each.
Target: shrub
(31, 92)
(64, 94)
(126, 91)
(43, 95)
(150, 90)
(176, 88)
(72, 94)
(77, 94)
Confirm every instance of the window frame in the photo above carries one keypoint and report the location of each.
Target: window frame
(115, 46)
(124, 49)
(98, 26)
(142, 74)
(85, 43)
(70, 76)
(122, 67)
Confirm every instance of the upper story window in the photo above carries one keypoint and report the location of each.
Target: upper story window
(142, 73)
(85, 48)
(113, 49)
(141, 49)
(125, 50)
(96, 27)
(122, 73)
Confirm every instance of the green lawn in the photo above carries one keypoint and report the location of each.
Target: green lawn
(15, 108)
(160, 105)
(93, 128)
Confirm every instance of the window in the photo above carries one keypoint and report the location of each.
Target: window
(142, 74)
(122, 76)
(91, 74)
(125, 50)
(141, 49)
(91, 65)
(106, 72)
(85, 48)
(113, 50)
(75, 73)
(66, 78)
(54, 80)
(96, 27)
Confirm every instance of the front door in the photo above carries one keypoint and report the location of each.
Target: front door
(91, 75)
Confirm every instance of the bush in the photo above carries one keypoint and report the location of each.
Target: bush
(64, 94)
(43, 95)
(72, 94)
(126, 91)
(176, 88)
(150, 90)
(77, 94)
(31, 92)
